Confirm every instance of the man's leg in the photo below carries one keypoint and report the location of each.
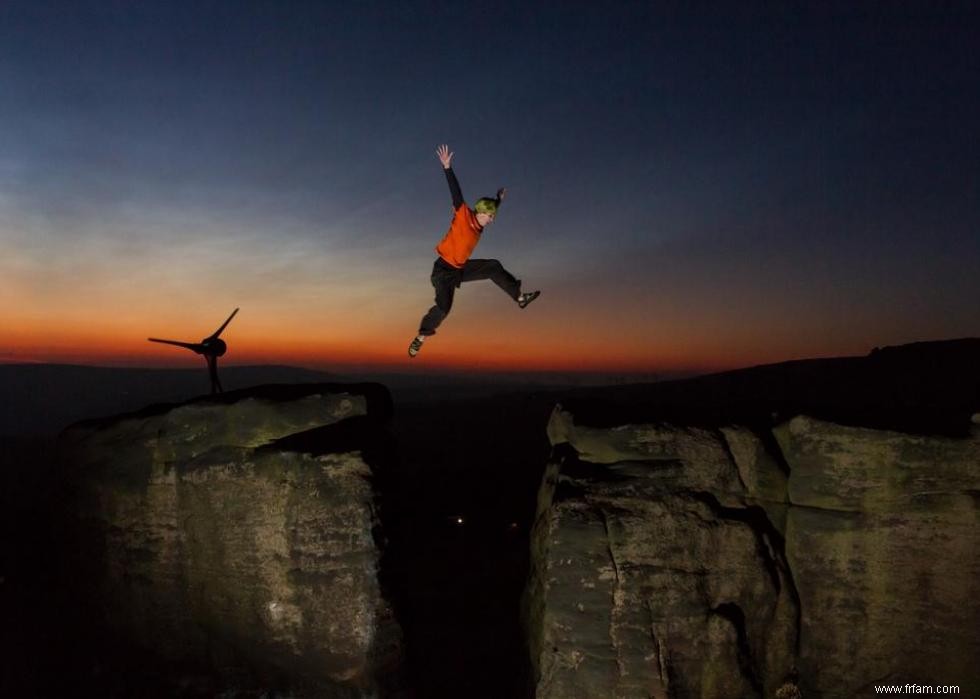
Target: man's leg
(474, 270)
(444, 281)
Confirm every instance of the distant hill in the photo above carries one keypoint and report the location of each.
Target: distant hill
(924, 386)
(41, 399)
(922, 383)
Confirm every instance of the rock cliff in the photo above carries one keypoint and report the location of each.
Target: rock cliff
(232, 543)
(717, 558)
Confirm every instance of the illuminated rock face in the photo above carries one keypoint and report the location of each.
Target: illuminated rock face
(884, 541)
(226, 543)
(696, 562)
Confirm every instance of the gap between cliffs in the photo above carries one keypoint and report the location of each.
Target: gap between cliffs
(457, 506)
(458, 502)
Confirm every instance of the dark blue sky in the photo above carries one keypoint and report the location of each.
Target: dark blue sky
(705, 183)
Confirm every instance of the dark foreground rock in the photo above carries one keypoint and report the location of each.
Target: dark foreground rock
(232, 544)
(709, 559)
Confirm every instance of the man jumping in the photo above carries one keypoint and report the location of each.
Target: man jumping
(454, 266)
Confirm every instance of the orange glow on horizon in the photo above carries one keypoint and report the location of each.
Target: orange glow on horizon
(481, 338)
(117, 346)
(377, 354)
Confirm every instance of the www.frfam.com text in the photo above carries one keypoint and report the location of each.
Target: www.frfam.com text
(916, 689)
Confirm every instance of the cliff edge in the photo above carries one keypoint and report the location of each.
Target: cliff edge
(747, 551)
(232, 543)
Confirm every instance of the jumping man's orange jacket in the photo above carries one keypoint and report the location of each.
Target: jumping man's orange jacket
(461, 238)
(464, 232)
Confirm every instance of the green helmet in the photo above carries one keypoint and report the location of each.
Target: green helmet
(486, 205)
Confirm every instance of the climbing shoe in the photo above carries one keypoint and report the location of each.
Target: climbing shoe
(414, 348)
(524, 299)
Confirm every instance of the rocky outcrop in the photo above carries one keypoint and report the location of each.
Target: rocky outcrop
(883, 540)
(723, 561)
(237, 538)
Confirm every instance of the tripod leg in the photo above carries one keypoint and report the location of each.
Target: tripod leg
(213, 372)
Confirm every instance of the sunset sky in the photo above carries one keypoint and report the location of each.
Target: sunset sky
(691, 186)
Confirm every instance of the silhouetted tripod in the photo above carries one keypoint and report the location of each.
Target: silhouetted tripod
(211, 347)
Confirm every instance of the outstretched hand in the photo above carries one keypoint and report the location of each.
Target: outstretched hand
(500, 193)
(445, 156)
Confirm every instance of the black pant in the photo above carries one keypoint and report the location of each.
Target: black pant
(446, 279)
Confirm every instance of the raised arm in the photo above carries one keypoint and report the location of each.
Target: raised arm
(446, 158)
